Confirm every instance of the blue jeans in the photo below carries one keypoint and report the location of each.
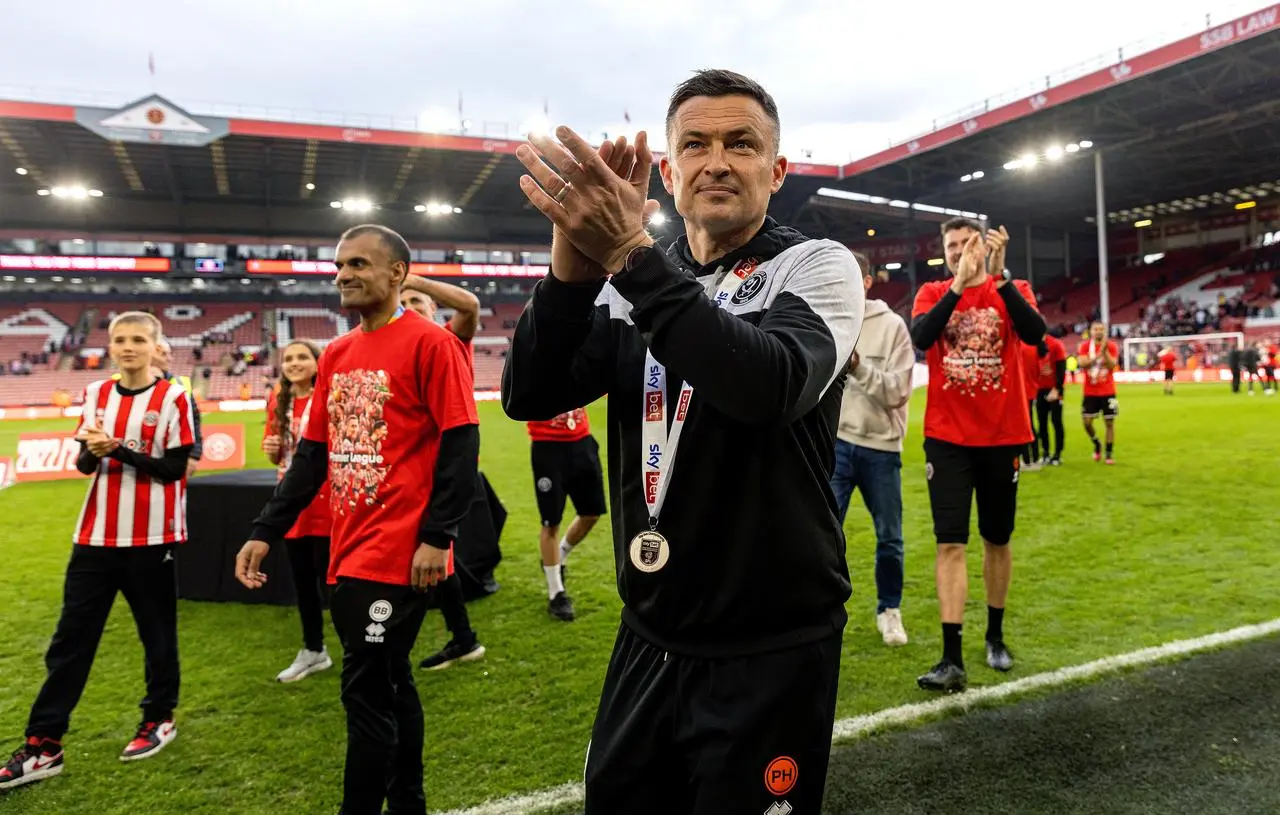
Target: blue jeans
(878, 476)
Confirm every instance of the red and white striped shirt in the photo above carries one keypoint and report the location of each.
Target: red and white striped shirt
(125, 507)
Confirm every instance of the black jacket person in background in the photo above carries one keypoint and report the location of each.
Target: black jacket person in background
(723, 359)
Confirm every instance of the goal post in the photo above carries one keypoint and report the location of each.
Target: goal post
(1140, 353)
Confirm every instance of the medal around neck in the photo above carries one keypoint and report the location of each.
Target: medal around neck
(649, 551)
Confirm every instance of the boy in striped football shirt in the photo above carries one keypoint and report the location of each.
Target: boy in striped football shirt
(135, 434)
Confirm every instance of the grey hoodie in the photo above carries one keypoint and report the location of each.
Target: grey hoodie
(873, 412)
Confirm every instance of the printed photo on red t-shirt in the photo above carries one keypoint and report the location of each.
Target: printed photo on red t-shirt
(977, 387)
(382, 400)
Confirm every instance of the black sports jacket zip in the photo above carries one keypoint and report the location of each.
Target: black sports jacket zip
(757, 558)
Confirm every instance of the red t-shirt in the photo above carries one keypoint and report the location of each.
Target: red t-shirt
(1031, 370)
(1168, 360)
(1274, 352)
(1098, 378)
(388, 395)
(570, 426)
(976, 384)
(468, 345)
(1047, 364)
(315, 520)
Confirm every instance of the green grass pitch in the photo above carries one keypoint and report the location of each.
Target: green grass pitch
(1179, 539)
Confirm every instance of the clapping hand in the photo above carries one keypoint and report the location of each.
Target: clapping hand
(97, 440)
(594, 200)
(972, 269)
(567, 262)
(997, 243)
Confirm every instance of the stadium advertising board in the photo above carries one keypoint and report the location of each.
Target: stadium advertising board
(306, 267)
(81, 263)
(901, 250)
(51, 456)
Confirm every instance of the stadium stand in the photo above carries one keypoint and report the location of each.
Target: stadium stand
(219, 345)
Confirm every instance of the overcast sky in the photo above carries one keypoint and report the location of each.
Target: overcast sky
(848, 75)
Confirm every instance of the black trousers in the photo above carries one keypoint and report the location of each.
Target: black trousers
(1050, 411)
(687, 736)
(377, 624)
(309, 565)
(454, 608)
(146, 576)
(1031, 454)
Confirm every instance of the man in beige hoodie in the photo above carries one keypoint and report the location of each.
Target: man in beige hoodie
(873, 420)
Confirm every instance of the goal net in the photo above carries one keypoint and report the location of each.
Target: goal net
(1198, 354)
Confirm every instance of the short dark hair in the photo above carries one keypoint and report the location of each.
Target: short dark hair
(864, 262)
(396, 245)
(716, 82)
(961, 223)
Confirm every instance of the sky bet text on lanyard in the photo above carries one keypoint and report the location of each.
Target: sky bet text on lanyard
(650, 549)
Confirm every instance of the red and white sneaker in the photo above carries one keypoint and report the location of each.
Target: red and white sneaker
(36, 760)
(151, 739)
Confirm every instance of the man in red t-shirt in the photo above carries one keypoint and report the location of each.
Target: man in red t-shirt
(566, 463)
(1098, 360)
(976, 426)
(1051, 367)
(1031, 386)
(1168, 363)
(393, 431)
(422, 295)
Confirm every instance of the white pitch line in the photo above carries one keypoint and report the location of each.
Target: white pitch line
(851, 728)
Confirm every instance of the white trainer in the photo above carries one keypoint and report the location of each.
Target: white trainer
(305, 664)
(889, 622)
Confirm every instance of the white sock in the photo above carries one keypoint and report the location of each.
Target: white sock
(565, 549)
(554, 585)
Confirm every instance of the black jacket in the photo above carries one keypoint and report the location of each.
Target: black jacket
(756, 551)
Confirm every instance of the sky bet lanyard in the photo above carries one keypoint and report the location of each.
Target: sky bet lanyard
(649, 550)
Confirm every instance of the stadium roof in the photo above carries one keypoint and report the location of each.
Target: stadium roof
(1190, 118)
(255, 179)
(1182, 120)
